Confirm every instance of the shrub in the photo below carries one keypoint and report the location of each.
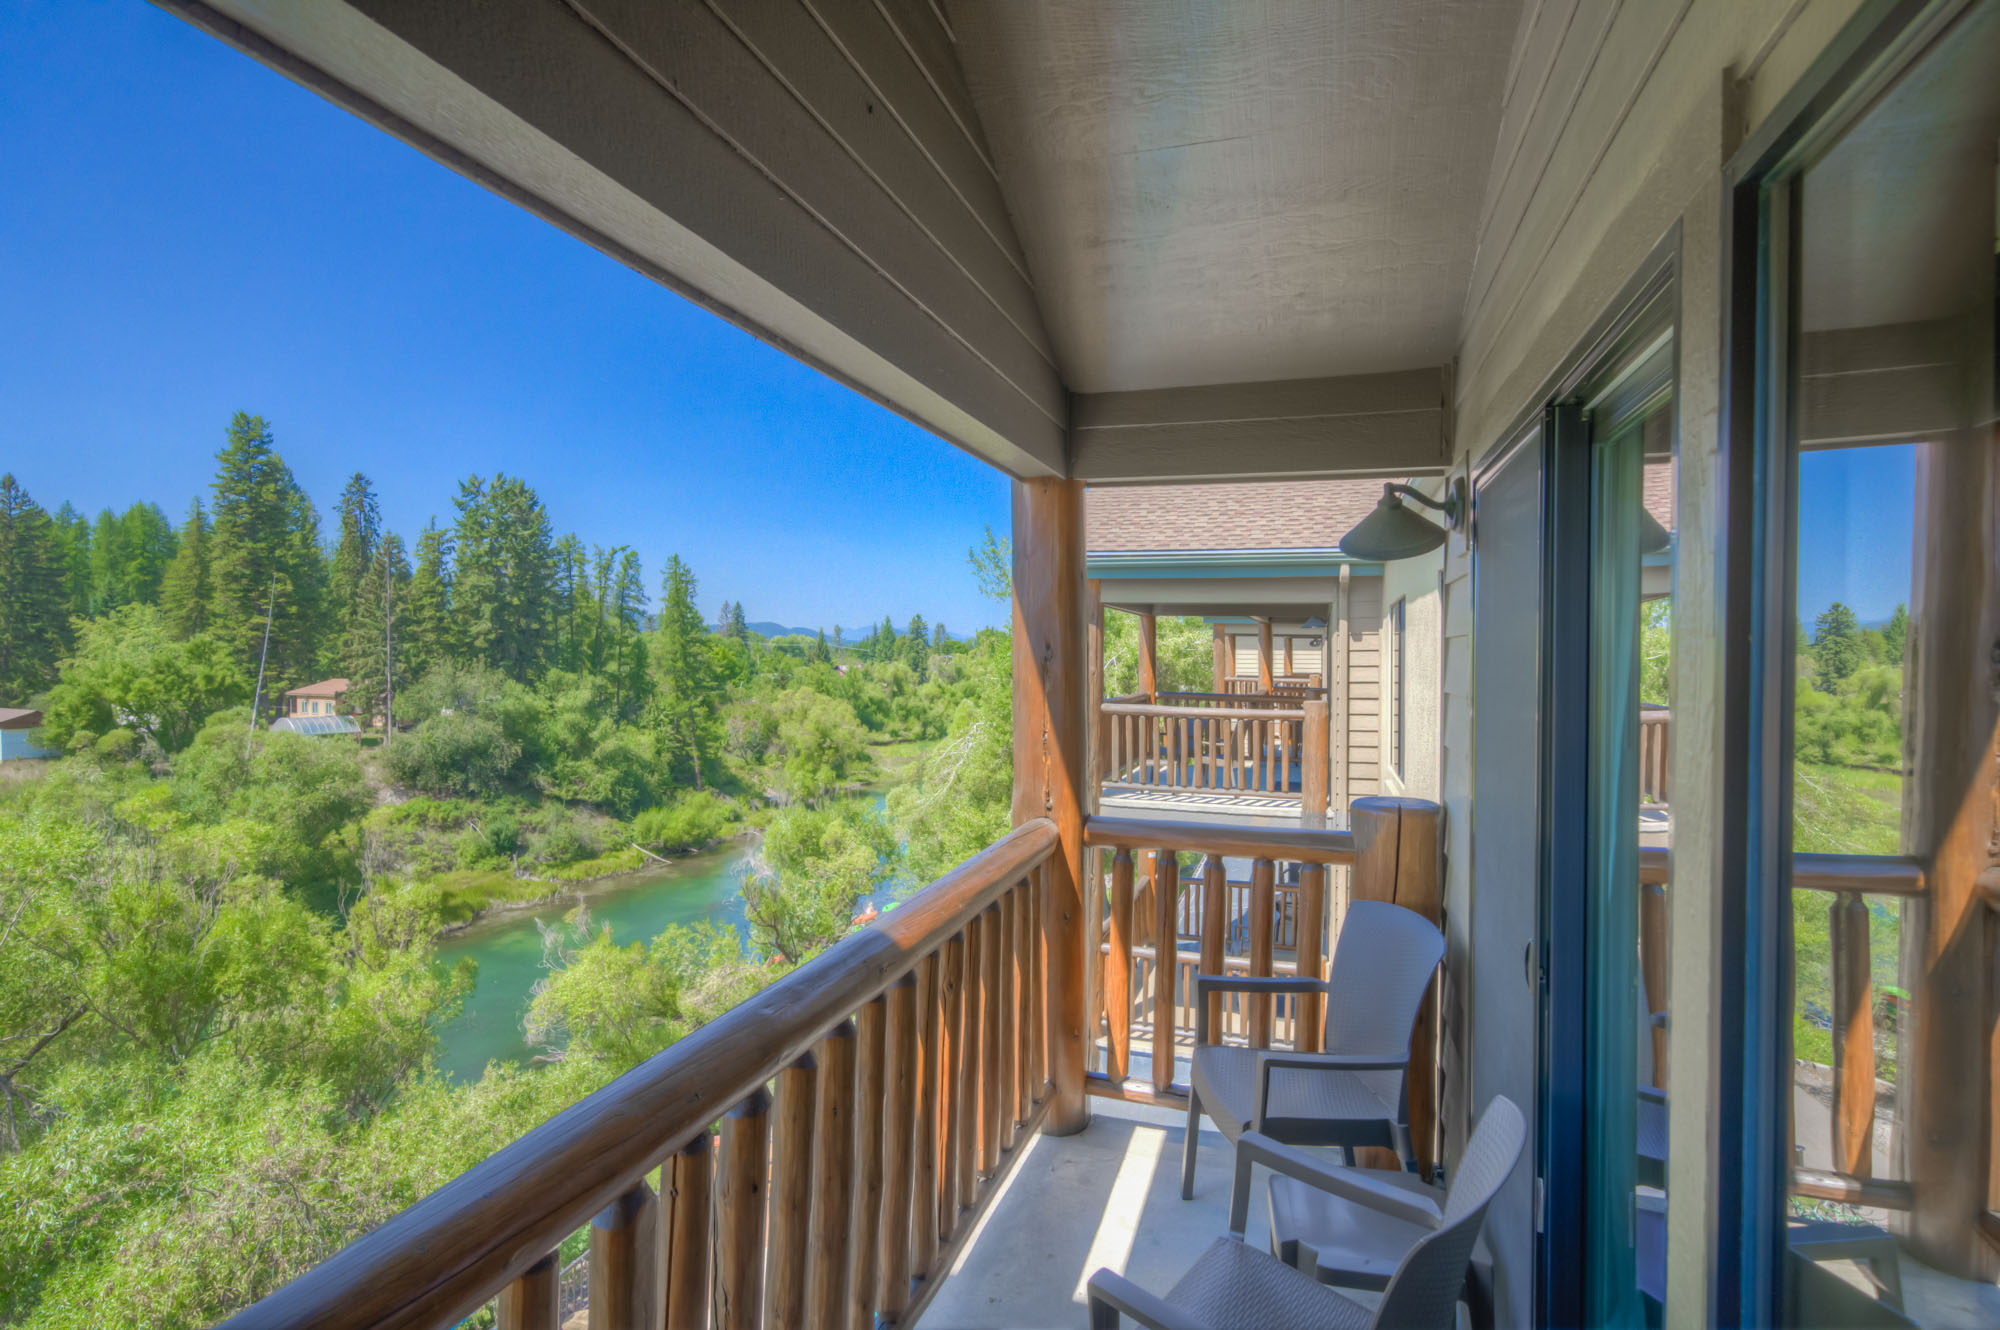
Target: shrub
(453, 755)
(687, 823)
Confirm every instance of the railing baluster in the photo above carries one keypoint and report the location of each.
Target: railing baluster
(971, 1095)
(1118, 969)
(832, 1179)
(1263, 878)
(1166, 875)
(534, 1301)
(991, 1063)
(742, 1172)
(791, 1194)
(1009, 1051)
(1214, 906)
(951, 1061)
(1311, 953)
(870, 1037)
(625, 1257)
(1853, 1037)
(1017, 951)
(924, 1187)
(892, 1288)
(1653, 969)
(688, 1257)
(1038, 1016)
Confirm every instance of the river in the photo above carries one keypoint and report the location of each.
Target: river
(637, 906)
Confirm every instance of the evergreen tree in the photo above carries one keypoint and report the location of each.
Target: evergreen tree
(683, 705)
(722, 620)
(821, 654)
(572, 592)
(264, 551)
(374, 655)
(185, 589)
(917, 642)
(34, 600)
(354, 549)
(128, 554)
(1896, 635)
(628, 617)
(503, 596)
(1836, 644)
(425, 620)
(73, 539)
(738, 629)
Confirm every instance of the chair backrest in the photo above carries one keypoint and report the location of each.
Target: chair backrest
(1382, 966)
(1423, 1294)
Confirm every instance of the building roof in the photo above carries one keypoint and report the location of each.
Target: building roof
(19, 718)
(316, 725)
(1658, 495)
(324, 688)
(1250, 515)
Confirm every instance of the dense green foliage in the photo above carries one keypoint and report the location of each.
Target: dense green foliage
(219, 992)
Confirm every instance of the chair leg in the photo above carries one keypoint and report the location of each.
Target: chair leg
(1188, 1146)
(1103, 1316)
(1239, 1196)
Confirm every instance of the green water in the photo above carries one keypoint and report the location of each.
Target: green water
(509, 948)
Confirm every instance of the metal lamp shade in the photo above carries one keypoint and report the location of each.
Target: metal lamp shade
(1653, 538)
(1392, 531)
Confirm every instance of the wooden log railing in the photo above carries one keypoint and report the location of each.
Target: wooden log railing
(1137, 891)
(866, 1103)
(1848, 879)
(1239, 750)
(1282, 700)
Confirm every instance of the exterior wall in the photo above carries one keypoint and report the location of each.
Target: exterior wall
(18, 744)
(1617, 122)
(1416, 582)
(1365, 676)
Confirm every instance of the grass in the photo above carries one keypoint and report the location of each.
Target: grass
(1843, 810)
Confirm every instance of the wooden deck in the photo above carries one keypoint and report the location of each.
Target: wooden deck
(1218, 806)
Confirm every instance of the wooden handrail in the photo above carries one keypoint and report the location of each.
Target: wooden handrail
(1206, 713)
(439, 1260)
(1308, 845)
(1869, 874)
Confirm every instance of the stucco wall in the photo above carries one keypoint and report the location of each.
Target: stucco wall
(1618, 120)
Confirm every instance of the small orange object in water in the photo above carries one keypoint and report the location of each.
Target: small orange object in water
(866, 917)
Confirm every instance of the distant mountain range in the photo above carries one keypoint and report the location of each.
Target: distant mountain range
(765, 628)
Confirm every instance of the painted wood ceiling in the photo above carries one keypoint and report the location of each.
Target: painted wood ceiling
(1265, 189)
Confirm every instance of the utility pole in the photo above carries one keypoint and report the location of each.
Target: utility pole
(257, 698)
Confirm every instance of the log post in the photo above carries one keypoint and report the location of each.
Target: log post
(1118, 967)
(1023, 896)
(1097, 764)
(833, 1179)
(1312, 954)
(1223, 665)
(1313, 765)
(1264, 679)
(744, 1168)
(625, 1260)
(791, 1194)
(1263, 902)
(1166, 875)
(1149, 657)
(892, 1288)
(534, 1301)
(1038, 1016)
(688, 1236)
(1396, 860)
(1853, 1036)
(1050, 718)
(1952, 722)
(1214, 922)
(864, 1217)
(1653, 970)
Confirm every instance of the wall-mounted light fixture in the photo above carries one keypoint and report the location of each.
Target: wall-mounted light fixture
(1396, 531)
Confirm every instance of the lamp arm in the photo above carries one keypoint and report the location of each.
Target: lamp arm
(1452, 505)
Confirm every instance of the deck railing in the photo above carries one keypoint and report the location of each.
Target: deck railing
(1655, 733)
(1138, 1001)
(1233, 749)
(866, 1101)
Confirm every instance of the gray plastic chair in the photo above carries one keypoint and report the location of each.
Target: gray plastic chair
(1235, 1285)
(1352, 1094)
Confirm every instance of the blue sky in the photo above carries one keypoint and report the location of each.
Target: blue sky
(1856, 513)
(184, 233)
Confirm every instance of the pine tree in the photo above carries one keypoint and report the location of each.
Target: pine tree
(264, 549)
(628, 616)
(185, 589)
(939, 637)
(354, 549)
(683, 706)
(738, 629)
(917, 642)
(374, 653)
(722, 620)
(820, 652)
(1896, 634)
(425, 620)
(1836, 644)
(34, 597)
(73, 539)
(572, 593)
(503, 597)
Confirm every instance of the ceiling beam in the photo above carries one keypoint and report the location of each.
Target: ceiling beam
(1394, 424)
(797, 173)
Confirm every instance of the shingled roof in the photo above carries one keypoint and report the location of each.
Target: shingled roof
(1252, 515)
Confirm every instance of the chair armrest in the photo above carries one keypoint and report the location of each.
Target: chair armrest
(1111, 1290)
(1350, 1184)
(1204, 984)
(1270, 1062)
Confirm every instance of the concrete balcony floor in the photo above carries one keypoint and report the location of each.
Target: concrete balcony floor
(1110, 1196)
